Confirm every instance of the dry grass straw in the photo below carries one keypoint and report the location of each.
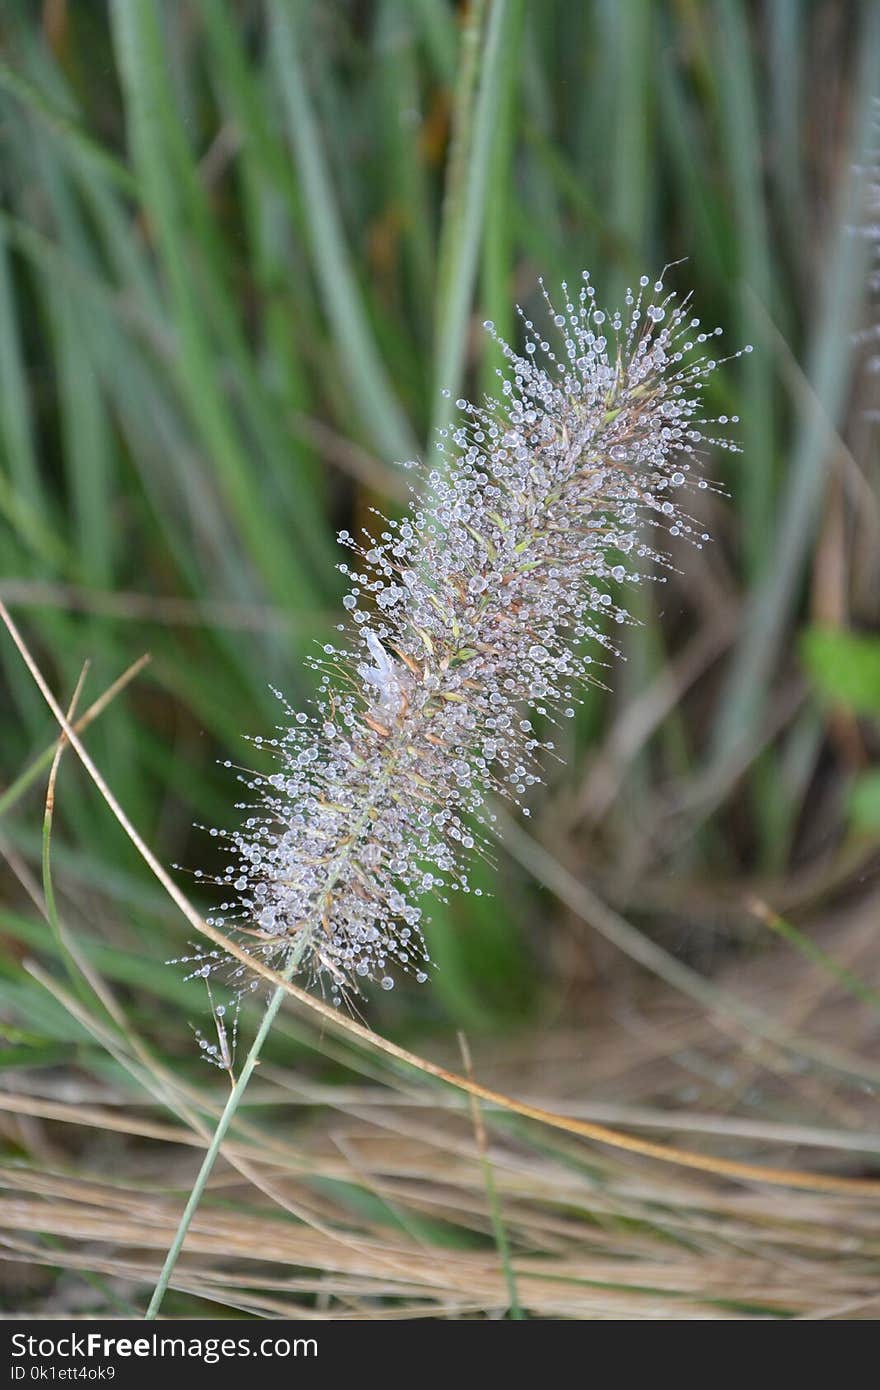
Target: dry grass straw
(391, 1184)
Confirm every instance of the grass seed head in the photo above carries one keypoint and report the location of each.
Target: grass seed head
(469, 626)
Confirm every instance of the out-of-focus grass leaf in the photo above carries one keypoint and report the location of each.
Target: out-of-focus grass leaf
(844, 667)
(864, 802)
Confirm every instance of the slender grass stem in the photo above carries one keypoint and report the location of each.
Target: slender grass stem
(496, 1215)
(465, 202)
(235, 1098)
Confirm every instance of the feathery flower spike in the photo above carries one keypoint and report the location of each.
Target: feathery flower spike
(468, 620)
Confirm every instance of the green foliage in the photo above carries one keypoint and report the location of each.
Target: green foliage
(844, 667)
(865, 803)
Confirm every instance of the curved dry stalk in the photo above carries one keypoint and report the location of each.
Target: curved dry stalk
(25, 779)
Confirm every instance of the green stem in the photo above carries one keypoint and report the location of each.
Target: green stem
(235, 1098)
(467, 187)
(337, 865)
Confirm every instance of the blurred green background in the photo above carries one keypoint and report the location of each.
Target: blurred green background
(243, 247)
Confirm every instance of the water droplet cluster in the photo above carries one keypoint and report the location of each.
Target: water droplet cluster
(467, 621)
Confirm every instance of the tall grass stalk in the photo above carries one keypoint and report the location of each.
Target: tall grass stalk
(464, 616)
(489, 69)
(229, 1111)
